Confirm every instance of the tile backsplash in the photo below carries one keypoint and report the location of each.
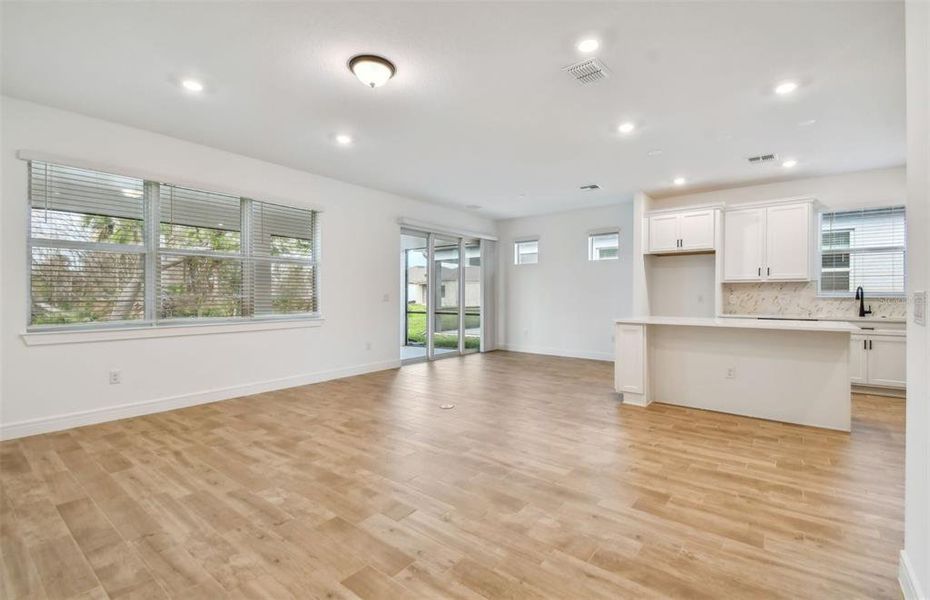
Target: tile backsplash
(799, 299)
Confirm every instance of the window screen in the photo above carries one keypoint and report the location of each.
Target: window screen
(97, 257)
(863, 248)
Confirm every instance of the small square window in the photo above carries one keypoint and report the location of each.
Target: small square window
(604, 246)
(526, 253)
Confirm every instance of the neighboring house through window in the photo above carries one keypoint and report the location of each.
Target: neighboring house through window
(604, 246)
(863, 248)
(526, 252)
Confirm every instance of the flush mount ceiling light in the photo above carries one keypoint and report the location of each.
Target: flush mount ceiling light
(373, 71)
(790, 163)
(626, 127)
(786, 87)
(192, 85)
(679, 181)
(588, 45)
(343, 139)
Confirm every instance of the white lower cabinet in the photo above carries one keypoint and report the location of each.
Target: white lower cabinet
(878, 360)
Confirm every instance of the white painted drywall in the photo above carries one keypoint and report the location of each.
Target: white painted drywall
(564, 304)
(681, 285)
(915, 560)
(859, 189)
(51, 387)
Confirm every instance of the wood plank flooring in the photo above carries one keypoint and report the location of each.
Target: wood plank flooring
(538, 484)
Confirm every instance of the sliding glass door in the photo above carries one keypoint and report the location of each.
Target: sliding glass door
(441, 283)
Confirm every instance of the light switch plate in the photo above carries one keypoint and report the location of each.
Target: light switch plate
(920, 308)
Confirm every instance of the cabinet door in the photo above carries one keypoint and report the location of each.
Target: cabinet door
(787, 243)
(696, 230)
(663, 233)
(887, 361)
(858, 352)
(629, 362)
(743, 244)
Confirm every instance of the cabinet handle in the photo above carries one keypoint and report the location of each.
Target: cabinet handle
(760, 271)
(870, 344)
(768, 271)
(865, 344)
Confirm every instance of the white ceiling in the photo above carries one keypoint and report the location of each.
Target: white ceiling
(480, 112)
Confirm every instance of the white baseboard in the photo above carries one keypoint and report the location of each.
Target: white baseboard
(907, 578)
(9, 431)
(557, 352)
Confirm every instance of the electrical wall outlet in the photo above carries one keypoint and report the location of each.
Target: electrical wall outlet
(116, 376)
(731, 373)
(367, 345)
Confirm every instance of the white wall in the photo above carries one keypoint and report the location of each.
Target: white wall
(565, 304)
(681, 285)
(53, 387)
(860, 189)
(916, 557)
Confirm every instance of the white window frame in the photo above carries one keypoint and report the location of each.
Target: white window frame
(100, 330)
(851, 294)
(593, 254)
(517, 254)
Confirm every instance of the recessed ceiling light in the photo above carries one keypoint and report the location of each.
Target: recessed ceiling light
(626, 127)
(344, 139)
(655, 152)
(807, 123)
(790, 163)
(472, 206)
(679, 181)
(374, 71)
(129, 193)
(192, 85)
(786, 87)
(588, 45)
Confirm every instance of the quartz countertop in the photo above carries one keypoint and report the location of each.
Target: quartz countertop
(745, 323)
(850, 319)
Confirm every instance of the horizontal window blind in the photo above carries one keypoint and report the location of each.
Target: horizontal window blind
(283, 259)
(96, 257)
(86, 246)
(863, 248)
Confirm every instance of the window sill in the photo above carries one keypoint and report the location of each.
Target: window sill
(47, 338)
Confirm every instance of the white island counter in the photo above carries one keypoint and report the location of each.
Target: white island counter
(783, 370)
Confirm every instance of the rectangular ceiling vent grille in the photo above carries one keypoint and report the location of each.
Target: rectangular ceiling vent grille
(762, 158)
(588, 71)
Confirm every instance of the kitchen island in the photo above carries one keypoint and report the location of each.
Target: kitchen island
(783, 370)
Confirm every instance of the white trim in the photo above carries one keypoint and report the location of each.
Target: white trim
(689, 208)
(20, 429)
(424, 227)
(907, 578)
(607, 356)
(113, 169)
(46, 338)
(775, 202)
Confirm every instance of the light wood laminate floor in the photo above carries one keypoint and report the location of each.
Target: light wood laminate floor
(537, 485)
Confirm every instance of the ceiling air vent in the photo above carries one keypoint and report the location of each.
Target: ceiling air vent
(762, 158)
(587, 71)
(590, 187)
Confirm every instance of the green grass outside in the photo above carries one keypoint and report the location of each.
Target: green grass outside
(416, 328)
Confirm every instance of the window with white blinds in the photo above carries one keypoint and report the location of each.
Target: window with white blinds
(863, 248)
(108, 249)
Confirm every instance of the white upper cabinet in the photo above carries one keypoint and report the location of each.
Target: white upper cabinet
(787, 242)
(663, 233)
(684, 231)
(697, 230)
(768, 243)
(743, 244)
